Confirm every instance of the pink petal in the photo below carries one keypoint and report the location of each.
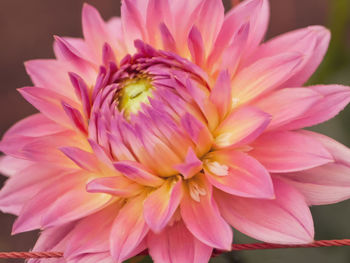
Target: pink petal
(41, 149)
(335, 98)
(254, 11)
(288, 105)
(50, 74)
(221, 94)
(10, 166)
(83, 48)
(267, 73)
(156, 15)
(160, 205)
(138, 173)
(116, 34)
(39, 203)
(289, 151)
(116, 185)
(76, 119)
(75, 61)
(108, 55)
(26, 183)
(231, 57)
(180, 28)
(45, 148)
(196, 46)
(101, 154)
(326, 184)
(94, 29)
(203, 218)
(34, 126)
(83, 159)
(133, 24)
(87, 239)
(191, 166)
(54, 239)
(48, 102)
(241, 127)
(198, 133)
(286, 220)
(82, 91)
(245, 176)
(168, 41)
(134, 228)
(73, 204)
(176, 244)
(312, 41)
(209, 21)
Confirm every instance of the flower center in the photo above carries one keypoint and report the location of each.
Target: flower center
(133, 94)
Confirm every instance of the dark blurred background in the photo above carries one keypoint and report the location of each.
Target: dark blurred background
(26, 30)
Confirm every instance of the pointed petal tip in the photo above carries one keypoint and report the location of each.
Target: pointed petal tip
(88, 8)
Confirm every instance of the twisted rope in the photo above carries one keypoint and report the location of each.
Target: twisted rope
(235, 247)
(31, 254)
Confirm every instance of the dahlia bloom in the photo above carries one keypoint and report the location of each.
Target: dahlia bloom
(163, 128)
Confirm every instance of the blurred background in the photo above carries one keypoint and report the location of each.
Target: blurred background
(26, 30)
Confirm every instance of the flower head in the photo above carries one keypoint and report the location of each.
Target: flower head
(163, 128)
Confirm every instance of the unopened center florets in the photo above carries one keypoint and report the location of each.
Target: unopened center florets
(133, 94)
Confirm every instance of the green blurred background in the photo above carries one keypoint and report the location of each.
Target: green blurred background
(26, 29)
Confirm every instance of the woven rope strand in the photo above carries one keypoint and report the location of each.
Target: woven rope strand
(235, 247)
(31, 254)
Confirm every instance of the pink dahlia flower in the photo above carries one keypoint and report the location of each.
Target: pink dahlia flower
(163, 128)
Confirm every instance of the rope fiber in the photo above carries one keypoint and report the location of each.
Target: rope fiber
(235, 247)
